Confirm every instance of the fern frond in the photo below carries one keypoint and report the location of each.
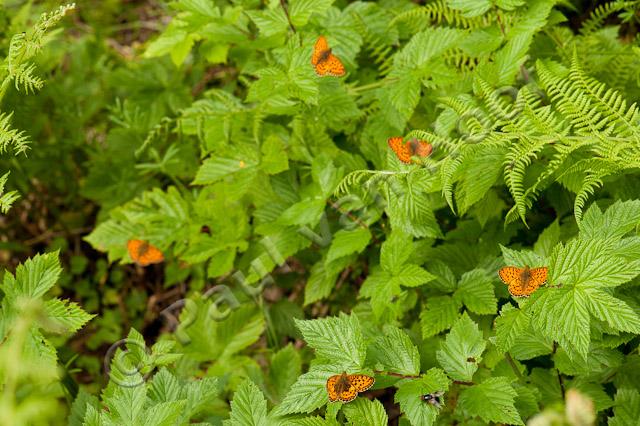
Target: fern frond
(440, 13)
(10, 137)
(577, 105)
(608, 102)
(448, 170)
(602, 12)
(375, 46)
(360, 178)
(25, 46)
(476, 120)
(460, 60)
(6, 199)
(23, 77)
(439, 142)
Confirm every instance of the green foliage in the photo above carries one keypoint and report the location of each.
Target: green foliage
(296, 245)
(29, 319)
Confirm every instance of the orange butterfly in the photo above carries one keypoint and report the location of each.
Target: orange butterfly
(345, 387)
(144, 253)
(523, 281)
(405, 150)
(325, 62)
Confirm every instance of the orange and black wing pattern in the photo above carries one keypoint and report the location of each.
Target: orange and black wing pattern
(143, 253)
(523, 282)
(401, 149)
(345, 388)
(405, 150)
(324, 62)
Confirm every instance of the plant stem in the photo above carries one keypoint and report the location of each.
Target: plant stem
(286, 12)
(513, 365)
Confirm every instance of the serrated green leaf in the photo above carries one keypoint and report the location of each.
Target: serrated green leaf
(395, 251)
(347, 242)
(439, 314)
(65, 316)
(284, 370)
(626, 409)
(336, 338)
(34, 277)
(470, 8)
(475, 290)
(305, 212)
(464, 341)
(613, 311)
(395, 352)
(410, 392)
(491, 400)
(510, 324)
(309, 392)
(365, 412)
(248, 407)
(616, 221)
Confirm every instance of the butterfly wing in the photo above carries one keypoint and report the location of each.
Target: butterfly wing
(348, 394)
(319, 49)
(331, 66)
(423, 149)
(151, 256)
(401, 149)
(134, 247)
(331, 388)
(538, 276)
(512, 276)
(362, 382)
(334, 66)
(143, 253)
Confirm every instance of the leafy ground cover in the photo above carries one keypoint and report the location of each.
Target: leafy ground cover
(319, 212)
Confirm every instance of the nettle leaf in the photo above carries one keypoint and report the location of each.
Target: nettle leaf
(384, 283)
(206, 337)
(323, 278)
(521, 258)
(470, 8)
(395, 352)
(511, 323)
(34, 277)
(395, 251)
(346, 242)
(590, 263)
(64, 316)
(491, 400)
(274, 156)
(627, 408)
(463, 342)
(565, 318)
(439, 314)
(620, 218)
(547, 240)
(301, 10)
(306, 212)
(284, 370)
(309, 392)
(475, 290)
(248, 406)
(479, 173)
(270, 21)
(366, 412)
(336, 338)
(613, 311)
(409, 395)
